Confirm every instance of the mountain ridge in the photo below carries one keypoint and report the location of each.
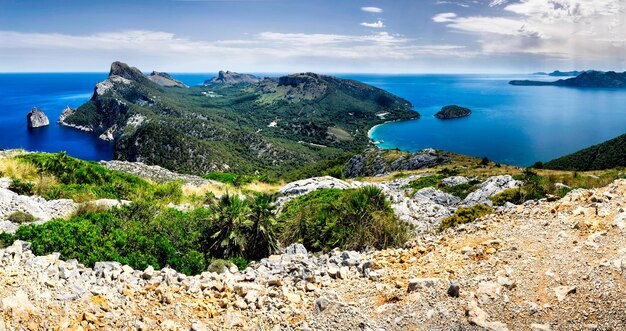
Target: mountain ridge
(272, 125)
(588, 79)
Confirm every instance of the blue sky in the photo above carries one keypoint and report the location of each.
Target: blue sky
(387, 36)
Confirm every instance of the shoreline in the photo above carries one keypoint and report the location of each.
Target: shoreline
(371, 130)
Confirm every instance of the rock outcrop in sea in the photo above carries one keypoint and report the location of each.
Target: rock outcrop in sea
(36, 118)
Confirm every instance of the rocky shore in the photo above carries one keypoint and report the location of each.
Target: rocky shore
(541, 266)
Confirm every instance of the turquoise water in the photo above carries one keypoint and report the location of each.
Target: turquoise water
(510, 124)
(515, 125)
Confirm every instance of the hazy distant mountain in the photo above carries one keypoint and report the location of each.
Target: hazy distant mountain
(558, 73)
(587, 79)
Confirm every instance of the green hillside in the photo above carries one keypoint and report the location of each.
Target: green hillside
(607, 155)
(273, 127)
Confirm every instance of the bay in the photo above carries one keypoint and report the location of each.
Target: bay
(515, 125)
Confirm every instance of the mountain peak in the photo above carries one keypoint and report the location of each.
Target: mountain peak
(124, 70)
(230, 77)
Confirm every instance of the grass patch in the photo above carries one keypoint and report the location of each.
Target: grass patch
(21, 217)
(465, 215)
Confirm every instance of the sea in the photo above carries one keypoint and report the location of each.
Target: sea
(516, 125)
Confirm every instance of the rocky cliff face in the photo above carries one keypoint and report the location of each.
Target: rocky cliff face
(376, 162)
(36, 118)
(229, 77)
(164, 79)
(539, 266)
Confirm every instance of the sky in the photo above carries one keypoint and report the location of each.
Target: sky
(328, 36)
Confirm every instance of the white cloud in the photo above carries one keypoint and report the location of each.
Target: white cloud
(444, 17)
(372, 9)
(579, 30)
(495, 3)
(378, 24)
(460, 4)
(21, 51)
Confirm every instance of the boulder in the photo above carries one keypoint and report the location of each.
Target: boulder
(43, 210)
(454, 181)
(562, 292)
(308, 185)
(295, 249)
(36, 118)
(380, 162)
(433, 195)
(491, 187)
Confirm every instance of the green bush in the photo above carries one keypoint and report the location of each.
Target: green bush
(22, 187)
(534, 188)
(461, 191)
(512, 195)
(465, 215)
(484, 161)
(349, 219)
(169, 192)
(137, 235)
(82, 180)
(218, 265)
(423, 182)
(21, 217)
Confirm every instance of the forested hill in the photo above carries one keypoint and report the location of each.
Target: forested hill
(272, 126)
(607, 155)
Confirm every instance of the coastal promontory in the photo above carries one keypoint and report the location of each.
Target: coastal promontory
(36, 118)
(228, 126)
(453, 111)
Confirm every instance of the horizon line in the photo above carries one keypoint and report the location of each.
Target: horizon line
(284, 72)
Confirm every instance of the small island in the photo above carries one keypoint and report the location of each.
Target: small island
(36, 118)
(453, 111)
